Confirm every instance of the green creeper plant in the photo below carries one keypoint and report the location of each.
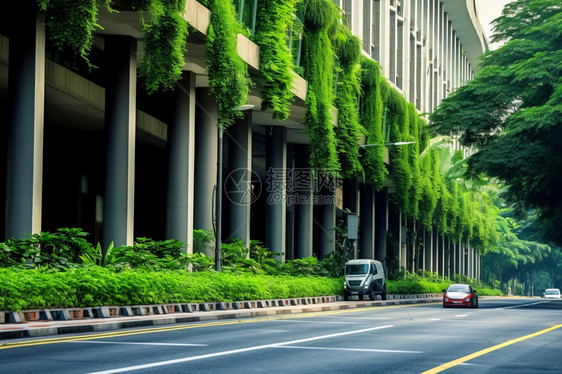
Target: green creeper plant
(71, 23)
(399, 156)
(228, 73)
(165, 32)
(348, 49)
(274, 18)
(318, 67)
(371, 110)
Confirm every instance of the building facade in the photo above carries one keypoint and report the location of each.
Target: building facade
(89, 148)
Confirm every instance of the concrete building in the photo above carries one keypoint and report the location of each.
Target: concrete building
(88, 148)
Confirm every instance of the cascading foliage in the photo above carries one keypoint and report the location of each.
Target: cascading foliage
(228, 73)
(348, 50)
(362, 96)
(371, 110)
(274, 18)
(165, 32)
(318, 64)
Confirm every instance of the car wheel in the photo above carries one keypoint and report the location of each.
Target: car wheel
(383, 295)
(345, 296)
(475, 305)
(372, 294)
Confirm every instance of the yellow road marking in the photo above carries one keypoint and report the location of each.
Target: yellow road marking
(28, 343)
(458, 361)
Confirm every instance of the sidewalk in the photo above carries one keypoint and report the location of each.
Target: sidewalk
(156, 315)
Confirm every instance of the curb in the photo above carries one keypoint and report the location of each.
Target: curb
(67, 314)
(115, 318)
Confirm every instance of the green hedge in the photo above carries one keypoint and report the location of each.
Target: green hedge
(96, 286)
(406, 287)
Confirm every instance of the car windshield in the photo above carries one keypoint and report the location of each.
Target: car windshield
(552, 292)
(357, 269)
(458, 288)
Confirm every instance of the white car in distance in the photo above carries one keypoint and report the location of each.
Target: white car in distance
(551, 293)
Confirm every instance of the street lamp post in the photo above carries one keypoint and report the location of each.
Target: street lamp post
(218, 201)
(218, 191)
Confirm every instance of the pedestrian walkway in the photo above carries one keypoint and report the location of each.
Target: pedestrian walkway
(185, 313)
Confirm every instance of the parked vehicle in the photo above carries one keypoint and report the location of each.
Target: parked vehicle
(460, 295)
(364, 277)
(551, 293)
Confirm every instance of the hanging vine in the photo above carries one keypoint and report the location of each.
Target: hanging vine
(348, 50)
(399, 158)
(371, 117)
(228, 73)
(414, 193)
(274, 18)
(318, 66)
(165, 37)
(71, 23)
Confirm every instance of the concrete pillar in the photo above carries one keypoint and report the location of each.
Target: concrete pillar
(276, 189)
(442, 268)
(302, 186)
(394, 227)
(367, 221)
(327, 204)
(350, 202)
(419, 246)
(120, 127)
(436, 248)
(463, 258)
(24, 167)
(428, 249)
(238, 180)
(381, 224)
(411, 244)
(449, 256)
(206, 134)
(454, 259)
(181, 159)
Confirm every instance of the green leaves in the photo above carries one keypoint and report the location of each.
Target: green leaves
(228, 73)
(274, 18)
(71, 24)
(95, 286)
(165, 34)
(511, 110)
(318, 63)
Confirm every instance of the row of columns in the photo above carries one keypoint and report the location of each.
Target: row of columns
(192, 168)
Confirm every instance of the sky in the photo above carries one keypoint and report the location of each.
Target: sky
(488, 10)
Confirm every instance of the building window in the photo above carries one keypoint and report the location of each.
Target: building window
(392, 47)
(367, 25)
(376, 33)
(347, 9)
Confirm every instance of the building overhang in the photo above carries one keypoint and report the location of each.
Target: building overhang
(462, 14)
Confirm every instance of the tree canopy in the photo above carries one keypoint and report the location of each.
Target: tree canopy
(511, 113)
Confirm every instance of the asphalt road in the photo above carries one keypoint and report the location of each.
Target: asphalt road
(503, 336)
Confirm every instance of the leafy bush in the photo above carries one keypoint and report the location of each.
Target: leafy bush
(60, 250)
(97, 286)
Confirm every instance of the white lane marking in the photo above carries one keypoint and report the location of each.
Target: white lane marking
(435, 319)
(269, 331)
(461, 315)
(373, 318)
(521, 306)
(134, 343)
(234, 351)
(351, 349)
(320, 322)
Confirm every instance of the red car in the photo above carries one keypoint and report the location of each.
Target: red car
(460, 295)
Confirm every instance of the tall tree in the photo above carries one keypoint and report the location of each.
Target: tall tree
(512, 111)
